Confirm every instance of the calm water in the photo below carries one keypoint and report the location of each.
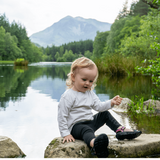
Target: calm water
(29, 98)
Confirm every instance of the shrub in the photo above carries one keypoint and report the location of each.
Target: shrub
(117, 64)
(21, 62)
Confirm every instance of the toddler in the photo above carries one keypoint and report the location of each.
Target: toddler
(75, 117)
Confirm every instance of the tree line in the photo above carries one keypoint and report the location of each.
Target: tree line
(14, 42)
(68, 52)
(133, 37)
(132, 46)
(132, 33)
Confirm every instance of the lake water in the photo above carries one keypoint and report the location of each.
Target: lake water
(29, 98)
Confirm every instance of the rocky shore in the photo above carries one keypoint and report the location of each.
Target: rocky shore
(143, 146)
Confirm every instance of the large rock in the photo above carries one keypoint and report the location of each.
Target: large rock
(9, 149)
(143, 146)
(153, 103)
(77, 149)
(124, 106)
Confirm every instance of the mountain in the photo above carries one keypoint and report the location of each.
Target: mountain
(69, 29)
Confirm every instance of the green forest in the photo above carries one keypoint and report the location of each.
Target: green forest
(134, 36)
(14, 42)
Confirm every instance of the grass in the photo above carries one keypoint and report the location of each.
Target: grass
(138, 107)
(6, 62)
(118, 65)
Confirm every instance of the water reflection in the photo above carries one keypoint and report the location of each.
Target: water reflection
(53, 87)
(29, 99)
(125, 86)
(14, 84)
(50, 79)
(31, 122)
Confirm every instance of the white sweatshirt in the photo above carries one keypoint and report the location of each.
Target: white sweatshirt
(76, 107)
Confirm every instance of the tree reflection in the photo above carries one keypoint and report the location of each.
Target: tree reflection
(125, 86)
(14, 82)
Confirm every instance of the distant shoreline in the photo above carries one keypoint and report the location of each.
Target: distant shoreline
(7, 62)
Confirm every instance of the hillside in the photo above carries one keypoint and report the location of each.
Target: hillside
(69, 29)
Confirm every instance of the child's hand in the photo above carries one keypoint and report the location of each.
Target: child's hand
(116, 100)
(68, 138)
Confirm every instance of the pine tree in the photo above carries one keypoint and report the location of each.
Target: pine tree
(140, 8)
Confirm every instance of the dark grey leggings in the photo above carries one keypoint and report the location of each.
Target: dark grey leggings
(85, 130)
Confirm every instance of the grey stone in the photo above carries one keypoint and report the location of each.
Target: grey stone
(9, 149)
(77, 149)
(152, 103)
(124, 106)
(143, 146)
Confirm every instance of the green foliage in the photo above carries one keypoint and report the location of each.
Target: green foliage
(139, 108)
(139, 8)
(157, 2)
(113, 39)
(148, 35)
(14, 42)
(117, 64)
(68, 56)
(21, 62)
(126, 23)
(121, 29)
(99, 43)
(132, 38)
(11, 48)
(153, 68)
(7, 62)
(68, 52)
(88, 54)
(132, 24)
(2, 42)
(153, 3)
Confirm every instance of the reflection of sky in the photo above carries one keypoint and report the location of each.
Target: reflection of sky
(55, 87)
(31, 123)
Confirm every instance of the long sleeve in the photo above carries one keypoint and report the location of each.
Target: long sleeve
(77, 107)
(100, 106)
(63, 113)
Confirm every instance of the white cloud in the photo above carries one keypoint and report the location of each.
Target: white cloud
(36, 15)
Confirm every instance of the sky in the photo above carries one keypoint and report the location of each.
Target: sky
(37, 15)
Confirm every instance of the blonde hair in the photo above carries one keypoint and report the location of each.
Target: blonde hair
(82, 62)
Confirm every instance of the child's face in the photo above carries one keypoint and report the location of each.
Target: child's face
(84, 78)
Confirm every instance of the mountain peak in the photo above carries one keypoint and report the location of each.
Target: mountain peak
(69, 29)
